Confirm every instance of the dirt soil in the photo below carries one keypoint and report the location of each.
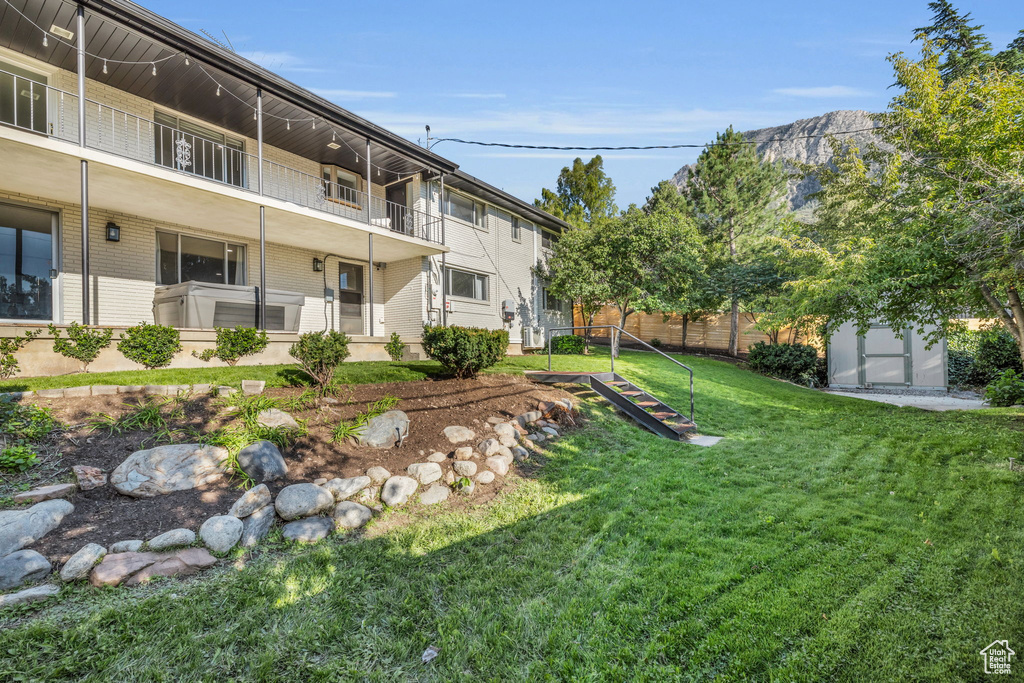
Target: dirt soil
(104, 516)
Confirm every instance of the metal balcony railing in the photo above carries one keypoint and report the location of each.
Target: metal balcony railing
(36, 107)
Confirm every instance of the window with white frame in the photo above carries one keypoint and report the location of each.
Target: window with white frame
(517, 228)
(548, 238)
(341, 185)
(467, 285)
(181, 258)
(187, 146)
(553, 303)
(465, 208)
(23, 97)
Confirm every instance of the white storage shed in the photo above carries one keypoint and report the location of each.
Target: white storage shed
(880, 359)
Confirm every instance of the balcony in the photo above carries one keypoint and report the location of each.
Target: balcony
(31, 106)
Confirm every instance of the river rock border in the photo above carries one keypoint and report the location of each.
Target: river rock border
(249, 387)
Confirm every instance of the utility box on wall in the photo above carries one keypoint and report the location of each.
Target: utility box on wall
(880, 359)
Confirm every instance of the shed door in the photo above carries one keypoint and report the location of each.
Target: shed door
(884, 358)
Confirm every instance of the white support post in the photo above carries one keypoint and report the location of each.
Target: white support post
(86, 317)
(263, 212)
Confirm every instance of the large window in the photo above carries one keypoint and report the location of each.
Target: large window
(465, 208)
(181, 258)
(467, 285)
(189, 147)
(553, 303)
(341, 186)
(22, 97)
(548, 239)
(26, 260)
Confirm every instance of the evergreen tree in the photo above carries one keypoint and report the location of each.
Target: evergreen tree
(963, 46)
(585, 194)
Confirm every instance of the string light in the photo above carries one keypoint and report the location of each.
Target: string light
(314, 124)
(289, 124)
(218, 90)
(45, 42)
(104, 66)
(187, 63)
(253, 114)
(154, 68)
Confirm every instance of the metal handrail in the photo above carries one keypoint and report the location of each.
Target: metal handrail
(621, 331)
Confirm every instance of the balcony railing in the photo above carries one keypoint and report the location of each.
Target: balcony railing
(32, 106)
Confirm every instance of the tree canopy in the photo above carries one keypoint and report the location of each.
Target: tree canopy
(584, 195)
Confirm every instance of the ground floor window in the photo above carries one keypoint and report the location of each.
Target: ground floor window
(26, 263)
(467, 285)
(553, 303)
(181, 258)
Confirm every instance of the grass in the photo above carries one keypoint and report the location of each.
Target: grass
(825, 538)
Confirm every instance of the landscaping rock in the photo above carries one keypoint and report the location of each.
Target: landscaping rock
(19, 528)
(34, 594)
(225, 391)
(201, 388)
(256, 526)
(181, 563)
(397, 490)
(456, 434)
(495, 419)
(131, 389)
(536, 438)
(384, 431)
(89, 478)
(520, 453)
(449, 477)
(505, 429)
(21, 567)
(155, 390)
(371, 496)
(497, 464)
(161, 470)
(80, 564)
(505, 453)
(309, 530)
(262, 461)
(252, 387)
(550, 431)
(77, 392)
(464, 453)
(343, 489)
(425, 472)
(50, 393)
(221, 532)
(485, 477)
(378, 475)
(104, 389)
(437, 457)
(172, 538)
(252, 500)
(303, 500)
(437, 493)
(130, 546)
(488, 447)
(45, 493)
(468, 489)
(320, 481)
(274, 418)
(507, 441)
(349, 515)
(465, 468)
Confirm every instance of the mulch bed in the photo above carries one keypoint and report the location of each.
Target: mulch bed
(104, 516)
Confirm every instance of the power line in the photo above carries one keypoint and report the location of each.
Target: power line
(641, 147)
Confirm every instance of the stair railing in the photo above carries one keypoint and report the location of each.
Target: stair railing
(618, 329)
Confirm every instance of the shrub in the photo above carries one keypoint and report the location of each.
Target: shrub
(17, 458)
(1007, 389)
(567, 344)
(150, 345)
(793, 362)
(319, 354)
(82, 343)
(395, 347)
(25, 420)
(10, 346)
(997, 351)
(464, 351)
(656, 343)
(235, 343)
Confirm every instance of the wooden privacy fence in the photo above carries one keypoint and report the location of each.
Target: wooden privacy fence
(711, 333)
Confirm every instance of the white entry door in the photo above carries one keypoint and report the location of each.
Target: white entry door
(350, 298)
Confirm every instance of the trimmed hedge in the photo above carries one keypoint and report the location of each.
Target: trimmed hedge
(568, 345)
(464, 351)
(797, 363)
(153, 346)
(319, 354)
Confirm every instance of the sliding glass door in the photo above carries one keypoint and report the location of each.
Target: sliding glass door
(27, 262)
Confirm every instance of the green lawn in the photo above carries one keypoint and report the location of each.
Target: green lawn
(824, 539)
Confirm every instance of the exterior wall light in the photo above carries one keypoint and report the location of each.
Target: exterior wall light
(113, 232)
(318, 265)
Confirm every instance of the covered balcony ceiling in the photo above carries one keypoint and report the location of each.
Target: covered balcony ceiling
(187, 89)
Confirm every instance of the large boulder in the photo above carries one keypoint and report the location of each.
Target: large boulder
(221, 533)
(343, 489)
(457, 434)
(135, 568)
(262, 461)
(274, 418)
(181, 563)
(384, 431)
(350, 515)
(21, 567)
(80, 564)
(256, 526)
(303, 500)
(19, 528)
(252, 500)
(164, 469)
(309, 530)
(397, 490)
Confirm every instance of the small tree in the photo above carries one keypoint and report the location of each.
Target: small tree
(572, 272)
(234, 344)
(319, 354)
(395, 347)
(8, 347)
(150, 345)
(464, 351)
(82, 343)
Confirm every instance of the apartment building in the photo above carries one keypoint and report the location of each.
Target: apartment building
(148, 174)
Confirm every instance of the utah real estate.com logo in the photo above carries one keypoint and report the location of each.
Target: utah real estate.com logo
(997, 657)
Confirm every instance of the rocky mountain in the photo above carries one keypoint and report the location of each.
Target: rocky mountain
(803, 141)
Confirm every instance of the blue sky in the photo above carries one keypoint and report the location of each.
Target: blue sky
(581, 73)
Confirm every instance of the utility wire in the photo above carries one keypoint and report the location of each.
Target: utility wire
(637, 147)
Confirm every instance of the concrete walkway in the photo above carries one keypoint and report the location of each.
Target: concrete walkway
(939, 402)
